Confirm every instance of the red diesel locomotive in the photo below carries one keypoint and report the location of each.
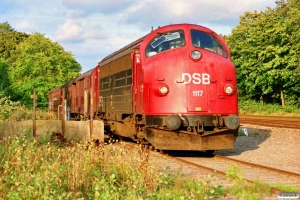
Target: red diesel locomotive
(174, 88)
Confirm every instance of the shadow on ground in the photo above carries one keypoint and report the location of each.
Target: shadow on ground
(243, 143)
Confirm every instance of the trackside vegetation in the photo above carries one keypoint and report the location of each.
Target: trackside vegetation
(78, 171)
(41, 169)
(261, 108)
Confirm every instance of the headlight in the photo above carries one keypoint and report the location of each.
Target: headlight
(173, 122)
(195, 55)
(163, 90)
(229, 90)
(232, 122)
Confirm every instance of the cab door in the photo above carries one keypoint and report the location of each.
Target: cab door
(137, 83)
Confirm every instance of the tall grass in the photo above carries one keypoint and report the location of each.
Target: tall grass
(78, 171)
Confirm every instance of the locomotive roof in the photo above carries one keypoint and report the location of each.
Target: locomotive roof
(120, 53)
(128, 48)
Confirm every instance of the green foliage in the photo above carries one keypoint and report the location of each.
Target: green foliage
(264, 47)
(39, 63)
(9, 39)
(32, 61)
(4, 78)
(254, 107)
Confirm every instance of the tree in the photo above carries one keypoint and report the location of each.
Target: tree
(39, 63)
(4, 80)
(264, 47)
(9, 39)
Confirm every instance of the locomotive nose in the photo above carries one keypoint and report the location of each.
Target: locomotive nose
(232, 122)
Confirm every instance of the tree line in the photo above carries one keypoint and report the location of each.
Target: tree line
(265, 49)
(264, 46)
(29, 61)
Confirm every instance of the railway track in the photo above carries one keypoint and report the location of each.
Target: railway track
(219, 164)
(201, 165)
(250, 171)
(274, 121)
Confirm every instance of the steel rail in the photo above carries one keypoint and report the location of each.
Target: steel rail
(280, 171)
(273, 121)
(274, 189)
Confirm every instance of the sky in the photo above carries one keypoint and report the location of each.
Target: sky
(93, 29)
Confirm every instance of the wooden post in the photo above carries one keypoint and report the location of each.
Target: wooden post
(34, 113)
(91, 113)
(282, 97)
(63, 122)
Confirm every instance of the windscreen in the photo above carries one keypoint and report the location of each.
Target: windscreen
(165, 41)
(206, 41)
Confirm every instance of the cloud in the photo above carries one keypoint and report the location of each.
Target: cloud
(26, 25)
(78, 30)
(200, 12)
(81, 8)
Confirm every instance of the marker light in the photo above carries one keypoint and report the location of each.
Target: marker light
(163, 90)
(195, 55)
(229, 90)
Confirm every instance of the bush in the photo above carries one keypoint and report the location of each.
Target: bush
(11, 111)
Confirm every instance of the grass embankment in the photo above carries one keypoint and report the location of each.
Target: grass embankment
(256, 108)
(33, 169)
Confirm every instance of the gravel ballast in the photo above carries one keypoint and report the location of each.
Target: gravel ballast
(273, 147)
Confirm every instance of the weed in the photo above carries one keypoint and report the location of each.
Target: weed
(256, 133)
(235, 175)
(286, 188)
(244, 190)
(241, 133)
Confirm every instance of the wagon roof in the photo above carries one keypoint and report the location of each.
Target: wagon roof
(85, 74)
(68, 83)
(55, 89)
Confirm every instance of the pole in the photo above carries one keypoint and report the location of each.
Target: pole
(63, 122)
(34, 113)
(91, 112)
